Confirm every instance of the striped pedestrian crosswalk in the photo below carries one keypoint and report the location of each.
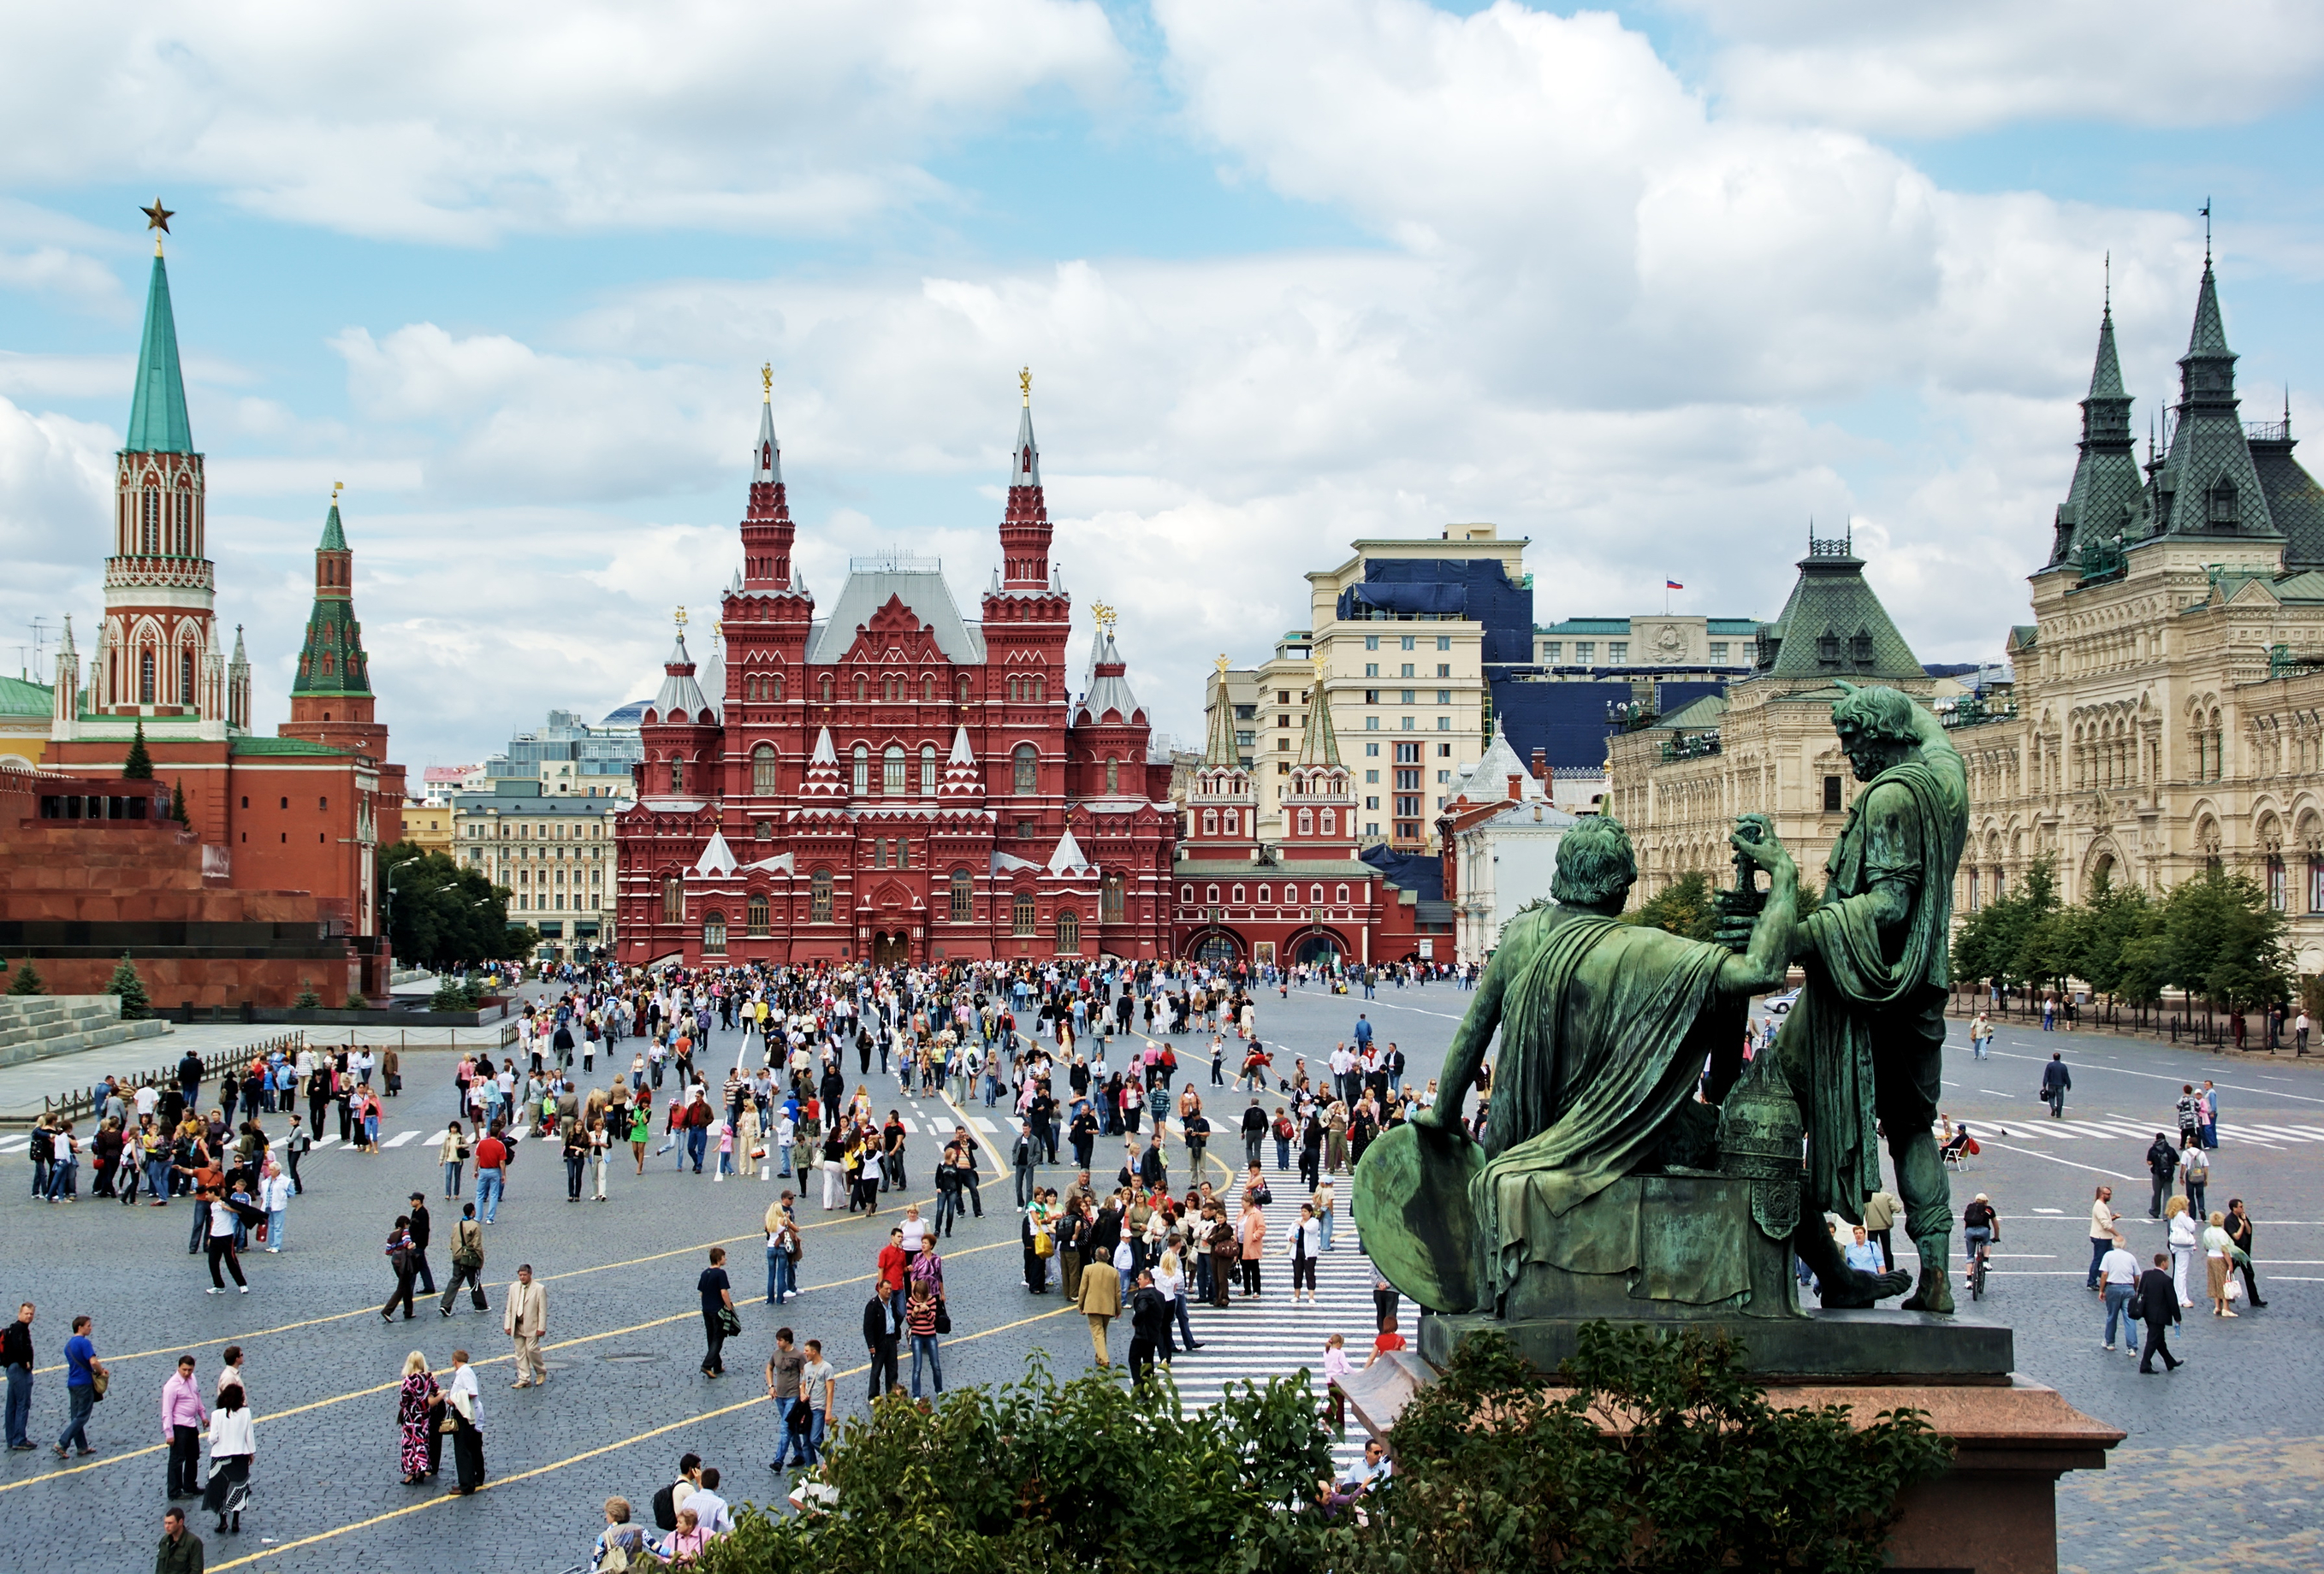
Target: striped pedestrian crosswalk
(1267, 1336)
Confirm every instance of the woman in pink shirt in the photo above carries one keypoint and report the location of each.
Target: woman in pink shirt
(1254, 1245)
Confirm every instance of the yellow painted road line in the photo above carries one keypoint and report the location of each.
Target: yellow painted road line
(173, 1351)
(440, 1500)
(487, 1361)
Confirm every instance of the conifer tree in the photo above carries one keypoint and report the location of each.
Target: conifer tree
(27, 981)
(135, 1005)
(177, 804)
(139, 765)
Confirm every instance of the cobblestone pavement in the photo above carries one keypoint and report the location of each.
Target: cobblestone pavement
(2219, 1466)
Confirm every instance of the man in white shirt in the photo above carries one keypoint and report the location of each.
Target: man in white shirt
(2102, 1231)
(148, 1095)
(2119, 1272)
(710, 1511)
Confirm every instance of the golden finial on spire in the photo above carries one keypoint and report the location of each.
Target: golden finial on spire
(1024, 385)
(681, 620)
(336, 487)
(157, 219)
(1103, 615)
(1223, 664)
(767, 383)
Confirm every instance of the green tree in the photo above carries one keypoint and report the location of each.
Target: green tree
(307, 999)
(177, 804)
(443, 915)
(1992, 945)
(2119, 916)
(124, 982)
(1683, 908)
(139, 765)
(2226, 942)
(1661, 1455)
(27, 981)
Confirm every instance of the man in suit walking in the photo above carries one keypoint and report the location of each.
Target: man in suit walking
(524, 1316)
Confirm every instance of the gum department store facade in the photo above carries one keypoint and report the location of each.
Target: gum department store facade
(2168, 710)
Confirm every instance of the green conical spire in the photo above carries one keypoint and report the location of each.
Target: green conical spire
(332, 661)
(157, 413)
(334, 539)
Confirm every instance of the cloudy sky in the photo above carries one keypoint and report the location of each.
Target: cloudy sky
(1650, 286)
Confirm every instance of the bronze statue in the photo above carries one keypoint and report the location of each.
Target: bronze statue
(1865, 1042)
(1628, 1156)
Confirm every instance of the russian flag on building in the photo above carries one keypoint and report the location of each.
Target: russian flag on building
(1672, 585)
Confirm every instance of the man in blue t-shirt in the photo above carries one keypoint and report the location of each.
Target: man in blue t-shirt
(82, 1369)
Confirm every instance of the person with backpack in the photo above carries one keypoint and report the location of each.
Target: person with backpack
(672, 1497)
(467, 1261)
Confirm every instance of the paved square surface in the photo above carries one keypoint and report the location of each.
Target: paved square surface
(2219, 1467)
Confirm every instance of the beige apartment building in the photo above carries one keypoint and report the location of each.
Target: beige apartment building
(1398, 641)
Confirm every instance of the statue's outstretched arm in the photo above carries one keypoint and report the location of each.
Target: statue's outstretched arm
(1768, 958)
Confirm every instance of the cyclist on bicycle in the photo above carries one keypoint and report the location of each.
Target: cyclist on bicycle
(1980, 1227)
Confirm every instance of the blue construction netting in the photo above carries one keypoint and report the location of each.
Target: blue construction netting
(1567, 720)
(1455, 587)
(1421, 873)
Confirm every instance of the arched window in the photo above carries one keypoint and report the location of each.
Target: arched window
(1038, 685)
(755, 912)
(893, 687)
(775, 687)
(1015, 686)
(1113, 776)
(1020, 914)
(824, 685)
(185, 678)
(862, 776)
(145, 677)
(676, 774)
(819, 899)
(1069, 932)
(1316, 895)
(963, 896)
(1209, 893)
(713, 933)
(1186, 894)
(1342, 897)
(1238, 895)
(927, 687)
(673, 900)
(1210, 822)
(1024, 757)
(964, 688)
(1325, 820)
(2278, 895)
(894, 778)
(1110, 902)
(762, 770)
(149, 522)
(1307, 822)
(859, 690)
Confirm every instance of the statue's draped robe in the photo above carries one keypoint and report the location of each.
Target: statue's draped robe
(1595, 1058)
(1907, 825)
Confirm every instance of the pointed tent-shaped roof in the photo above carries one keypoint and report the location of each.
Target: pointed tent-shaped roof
(2209, 336)
(1219, 747)
(1834, 625)
(714, 673)
(960, 776)
(2208, 485)
(823, 778)
(1318, 743)
(1109, 686)
(1488, 780)
(679, 692)
(332, 659)
(767, 462)
(1025, 457)
(1067, 859)
(157, 410)
(2102, 502)
(717, 858)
